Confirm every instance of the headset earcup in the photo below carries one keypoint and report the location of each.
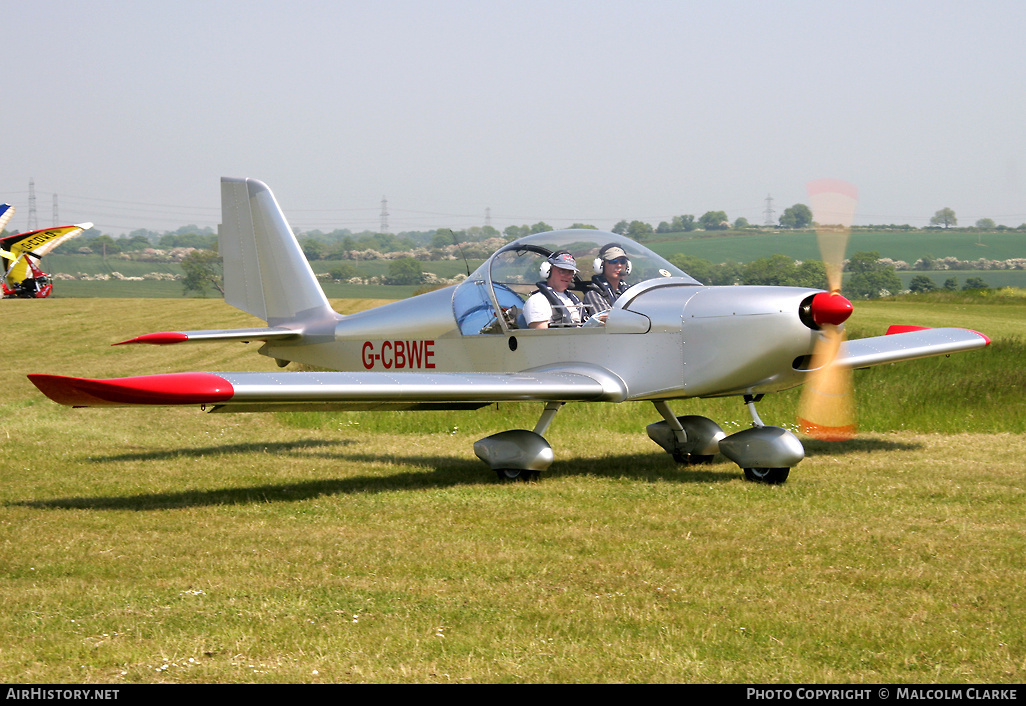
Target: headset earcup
(629, 268)
(544, 269)
(597, 265)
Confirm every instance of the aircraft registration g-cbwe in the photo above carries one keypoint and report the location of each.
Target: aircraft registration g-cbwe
(666, 338)
(22, 277)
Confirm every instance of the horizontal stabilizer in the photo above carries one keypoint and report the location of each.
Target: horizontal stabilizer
(250, 391)
(245, 335)
(908, 344)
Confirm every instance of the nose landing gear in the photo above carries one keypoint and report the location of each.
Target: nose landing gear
(765, 454)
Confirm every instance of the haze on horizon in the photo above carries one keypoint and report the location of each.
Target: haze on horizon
(560, 112)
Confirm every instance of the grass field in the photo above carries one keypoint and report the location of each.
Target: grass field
(167, 545)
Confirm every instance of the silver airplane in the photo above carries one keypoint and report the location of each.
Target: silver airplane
(666, 338)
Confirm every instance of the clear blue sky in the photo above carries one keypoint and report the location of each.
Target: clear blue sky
(552, 110)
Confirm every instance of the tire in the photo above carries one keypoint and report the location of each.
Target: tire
(691, 459)
(514, 475)
(767, 475)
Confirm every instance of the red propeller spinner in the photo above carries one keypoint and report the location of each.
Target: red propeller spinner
(830, 308)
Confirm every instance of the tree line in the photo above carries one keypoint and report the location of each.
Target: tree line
(867, 275)
(339, 244)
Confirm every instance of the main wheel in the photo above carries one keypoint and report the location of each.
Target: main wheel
(767, 475)
(686, 459)
(513, 475)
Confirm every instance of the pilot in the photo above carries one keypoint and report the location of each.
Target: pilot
(552, 305)
(611, 267)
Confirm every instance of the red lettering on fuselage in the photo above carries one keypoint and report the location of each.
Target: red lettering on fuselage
(399, 355)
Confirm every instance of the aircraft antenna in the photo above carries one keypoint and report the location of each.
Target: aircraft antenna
(33, 222)
(465, 263)
(769, 210)
(384, 215)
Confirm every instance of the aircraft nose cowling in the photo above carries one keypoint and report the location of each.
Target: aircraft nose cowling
(830, 308)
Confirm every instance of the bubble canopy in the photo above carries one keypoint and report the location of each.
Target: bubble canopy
(505, 280)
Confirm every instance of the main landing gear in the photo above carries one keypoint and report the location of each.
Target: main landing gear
(766, 454)
(518, 454)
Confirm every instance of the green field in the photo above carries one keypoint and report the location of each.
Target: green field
(171, 546)
(743, 247)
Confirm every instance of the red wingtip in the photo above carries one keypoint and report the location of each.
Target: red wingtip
(157, 339)
(168, 389)
(902, 328)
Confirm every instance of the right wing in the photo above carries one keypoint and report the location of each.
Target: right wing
(261, 392)
(908, 343)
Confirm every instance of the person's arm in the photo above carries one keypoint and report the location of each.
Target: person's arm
(537, 311)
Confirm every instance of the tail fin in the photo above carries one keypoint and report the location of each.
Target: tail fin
(265, 271)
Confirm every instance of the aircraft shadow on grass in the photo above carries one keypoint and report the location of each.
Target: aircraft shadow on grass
(205, 451)
(814, 447)
(445, 471)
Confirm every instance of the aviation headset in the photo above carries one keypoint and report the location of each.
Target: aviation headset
(597, 264)
(562, 259)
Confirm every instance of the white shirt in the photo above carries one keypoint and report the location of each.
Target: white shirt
(537, 308)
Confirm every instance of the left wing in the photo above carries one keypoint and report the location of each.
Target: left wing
(908, 343)
(259, 392)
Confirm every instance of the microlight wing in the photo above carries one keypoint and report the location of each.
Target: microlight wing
(36, 244)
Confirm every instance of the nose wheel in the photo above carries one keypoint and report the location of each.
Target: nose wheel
(766, 454)
(515, 475)
(771, 476)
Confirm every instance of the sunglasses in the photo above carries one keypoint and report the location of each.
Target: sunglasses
(618, 261)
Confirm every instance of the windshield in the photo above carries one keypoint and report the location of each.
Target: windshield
(509, 276)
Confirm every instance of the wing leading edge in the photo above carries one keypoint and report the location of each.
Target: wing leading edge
(908, 345)
(252, 392)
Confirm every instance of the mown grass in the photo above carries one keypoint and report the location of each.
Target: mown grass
(172, 546)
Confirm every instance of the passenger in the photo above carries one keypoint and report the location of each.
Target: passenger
(611, 267)
(552, 305)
